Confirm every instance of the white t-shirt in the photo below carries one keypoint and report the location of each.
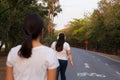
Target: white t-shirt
(35, 67)
(62, 54)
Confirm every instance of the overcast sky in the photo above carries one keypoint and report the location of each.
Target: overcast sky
(74, 9)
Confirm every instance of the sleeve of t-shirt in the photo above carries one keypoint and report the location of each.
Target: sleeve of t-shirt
(10, 59)
(52, 60)
(67, 46)
(53, 45)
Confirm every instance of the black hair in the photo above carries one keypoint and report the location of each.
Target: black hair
(60, 42)
(33, 26)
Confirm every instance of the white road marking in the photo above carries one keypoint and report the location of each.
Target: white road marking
(86, 65)
(118, 73)
(106, 64)
(84, 74)
(93, 56)
(98, 59)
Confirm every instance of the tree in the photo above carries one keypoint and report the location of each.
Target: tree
(101, 28)
(53, 8)
(12, 13)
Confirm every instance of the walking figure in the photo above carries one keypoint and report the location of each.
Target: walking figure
(31, 60)
(62, 49)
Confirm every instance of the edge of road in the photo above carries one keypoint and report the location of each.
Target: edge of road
(101, 54)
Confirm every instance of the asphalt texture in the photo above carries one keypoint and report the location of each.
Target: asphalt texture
(91, 66)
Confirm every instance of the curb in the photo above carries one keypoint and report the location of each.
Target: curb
(104, 56)
(98, 53)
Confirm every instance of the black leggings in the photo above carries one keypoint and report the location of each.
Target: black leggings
(62, 69)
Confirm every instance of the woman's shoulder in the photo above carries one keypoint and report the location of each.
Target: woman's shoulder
(66, 43)
(46, 48)
(54, 42)
(16, 48)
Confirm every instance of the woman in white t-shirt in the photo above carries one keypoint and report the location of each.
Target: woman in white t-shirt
(62, 49)
(32, 60)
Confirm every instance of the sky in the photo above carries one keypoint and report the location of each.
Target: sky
(73, 9)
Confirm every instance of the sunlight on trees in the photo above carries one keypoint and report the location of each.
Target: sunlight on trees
(101, 29)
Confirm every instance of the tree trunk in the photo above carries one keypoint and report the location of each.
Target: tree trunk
(6, 42)
(6, 34)
(1, 45)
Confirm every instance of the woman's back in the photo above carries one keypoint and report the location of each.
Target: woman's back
(62, 54)
(62, 49)
(31, 60)
(35, 67)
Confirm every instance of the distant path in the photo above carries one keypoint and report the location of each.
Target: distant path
(89, 66)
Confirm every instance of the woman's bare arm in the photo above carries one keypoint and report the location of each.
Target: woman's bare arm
(51, 74)
(9, 73)
(70, 57)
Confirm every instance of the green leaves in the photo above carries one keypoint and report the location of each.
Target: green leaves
(101, 29)
(12, 13)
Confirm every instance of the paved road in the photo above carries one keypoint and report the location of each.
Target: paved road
(89, 66)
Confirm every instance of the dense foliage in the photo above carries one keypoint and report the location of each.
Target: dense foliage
(12, 13)
(101, 28)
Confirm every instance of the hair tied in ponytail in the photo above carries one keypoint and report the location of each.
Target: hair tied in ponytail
(59, 35)
(30, 37)
(33, 25)
(60, 41)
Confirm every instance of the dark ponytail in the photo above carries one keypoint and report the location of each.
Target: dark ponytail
(33, 26)
(25, 50)
(60, 42)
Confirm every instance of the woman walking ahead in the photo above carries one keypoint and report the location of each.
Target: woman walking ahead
(62, 49)
(32, 60)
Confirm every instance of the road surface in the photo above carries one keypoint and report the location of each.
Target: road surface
(90, 66)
